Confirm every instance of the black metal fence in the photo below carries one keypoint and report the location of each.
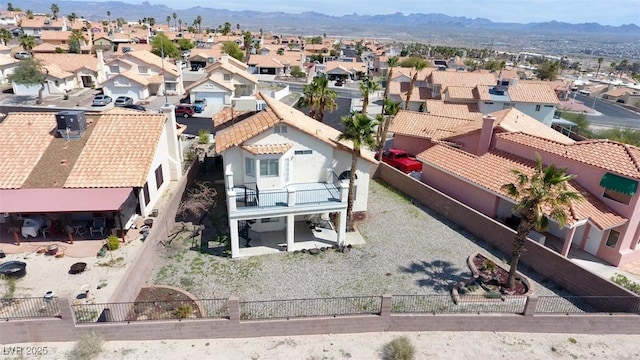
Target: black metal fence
(443, 304)
(151, 311)
(304, 308)
(29, 308)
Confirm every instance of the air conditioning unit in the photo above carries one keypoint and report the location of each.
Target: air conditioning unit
(71, 124)
(260, 105)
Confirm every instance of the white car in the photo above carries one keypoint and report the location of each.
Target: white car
(101, 100)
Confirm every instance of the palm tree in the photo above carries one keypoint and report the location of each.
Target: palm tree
(75, 41)
(238, 28)
(358, 129)
(199, 22)
(391, 63)
(175, 16)
(600, 60)
(418, 66)
(613, 67)
(109, 16)
(5, 36)
(308, 98)
(226, 29)
(623, 65)
(179, 24)
(367, 87)
(168, 20)
(55, 10)
(27, 42)
(391, 108)
(247, 37)
(325, 99)
(540, 195)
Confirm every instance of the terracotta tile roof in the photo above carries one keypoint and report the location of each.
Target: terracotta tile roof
(213, 78)
(348, 66)
(151, 59)
(605, 154)
(458, 78)
(493, 169)
(454, 110)
(55, 71)
(25, 136)
(214, 68)
(48, 35)
(533, 93)
(135, 47)
(268, 148)
(203, 54)
(460, 92)
(277, 113)
(617, 92)
(70, 62)
(46, 47)
(426, 126)
(132, 75)
(119, 152)
(513, 120)
(482, 93)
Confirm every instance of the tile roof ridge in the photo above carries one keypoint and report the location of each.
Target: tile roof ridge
(634, 159)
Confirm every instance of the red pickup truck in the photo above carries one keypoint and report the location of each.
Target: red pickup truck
(401, 160)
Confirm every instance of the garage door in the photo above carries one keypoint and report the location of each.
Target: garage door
(212, 98)
(119, 91)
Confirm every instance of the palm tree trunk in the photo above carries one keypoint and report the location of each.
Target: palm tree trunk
(352, 181)
(386, 90)
(525, 226)
(365, 103)
(383, 136)
(410, 91)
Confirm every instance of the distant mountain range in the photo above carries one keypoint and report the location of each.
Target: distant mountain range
(312, 23)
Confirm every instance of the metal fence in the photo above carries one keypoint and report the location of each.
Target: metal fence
(301, 308)
(28, 308)
(587, 304)
(317, 196)
(443, 304)
(151, 311)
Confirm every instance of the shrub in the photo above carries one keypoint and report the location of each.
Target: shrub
(489, 265)
(203, 136)
(399, 348)
(113, 242)
(88, 346)
(626, 283)
(183, 311)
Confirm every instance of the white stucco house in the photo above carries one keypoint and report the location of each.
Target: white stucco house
(226, 79)
(284, 173)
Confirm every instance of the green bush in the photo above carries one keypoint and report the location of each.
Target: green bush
(113, 242)
(203, 136)
(399, 348)
(183, 311)
(626, 283)
(88, 346)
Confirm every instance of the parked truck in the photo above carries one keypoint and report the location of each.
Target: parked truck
(401, 160)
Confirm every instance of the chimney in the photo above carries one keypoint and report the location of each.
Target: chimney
(174, 148)
(102, 72)
(486, 134)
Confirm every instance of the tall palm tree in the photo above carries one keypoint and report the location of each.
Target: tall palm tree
(109, 16)
(308, 98)
(199, 22)
(358, 129)
(623, 66)
(175, 22)
(613, 67)
(367, 87)
(600, 60)
(418, 66)
(27, 42)
(168, 20)
(5, 36)
(540, 195)
(391, 63)
(391, 108)
(325, 99)
(179, 24)
(55, 10)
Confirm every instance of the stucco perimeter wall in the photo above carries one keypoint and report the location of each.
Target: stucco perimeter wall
(140, 269)
(541, 259)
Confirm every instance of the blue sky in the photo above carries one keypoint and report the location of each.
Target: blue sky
(606, 12)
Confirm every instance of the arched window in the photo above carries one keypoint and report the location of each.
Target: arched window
(345, 175)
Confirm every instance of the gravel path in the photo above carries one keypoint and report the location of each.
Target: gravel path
(410, 250)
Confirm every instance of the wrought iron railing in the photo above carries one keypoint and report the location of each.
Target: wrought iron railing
(29, 308)
(443, 304)
(304, 308)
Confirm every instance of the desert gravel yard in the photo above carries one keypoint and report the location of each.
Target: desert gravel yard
(410, 250)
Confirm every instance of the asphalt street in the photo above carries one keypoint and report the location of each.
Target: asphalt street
(610, 113)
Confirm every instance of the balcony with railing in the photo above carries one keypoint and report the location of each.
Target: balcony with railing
(248, 197)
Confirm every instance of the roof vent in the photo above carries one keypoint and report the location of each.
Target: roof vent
(71, 124)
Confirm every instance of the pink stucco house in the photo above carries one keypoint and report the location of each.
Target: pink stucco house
(473, 165)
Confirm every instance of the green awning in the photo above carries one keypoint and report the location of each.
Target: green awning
(619, 184)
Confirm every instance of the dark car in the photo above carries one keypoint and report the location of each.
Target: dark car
(184, 110)
(135, 107)
(123, 100)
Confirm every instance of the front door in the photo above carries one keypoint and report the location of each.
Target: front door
(593, 241)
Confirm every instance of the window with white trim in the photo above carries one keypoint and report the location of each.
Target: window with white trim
(269, 168)
(250, 167)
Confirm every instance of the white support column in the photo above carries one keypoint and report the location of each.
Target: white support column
(231, 201)
(235, 242)
(291, 196)
(290, 232)
(344, 192)
(329, 175)
(342, 227)
(229, 177)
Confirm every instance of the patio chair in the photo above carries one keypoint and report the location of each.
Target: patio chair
(98, 226)
(46, 229)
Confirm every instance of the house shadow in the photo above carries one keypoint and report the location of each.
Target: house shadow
(438, 275)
